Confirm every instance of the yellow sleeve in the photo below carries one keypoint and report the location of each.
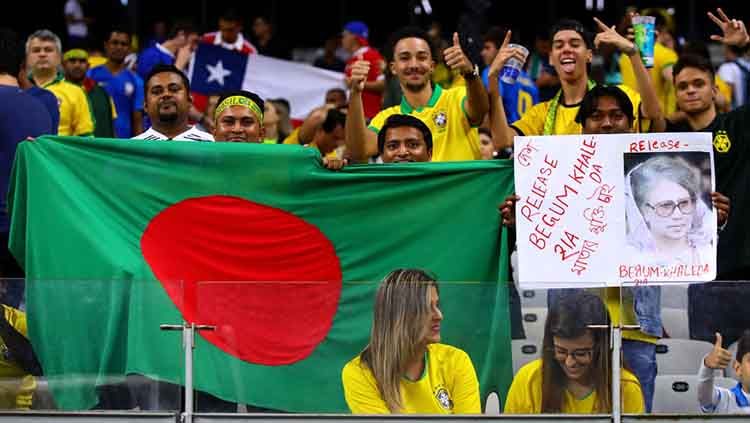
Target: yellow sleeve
(640, 125)
(379, 120)
(519, 399)
(465, 386)
(666, 57)
(17, 319)
(532, 122)
(83, 124)
(632, 397)
(292, 138)
(112, 106)
(361, 391)
(724, 88)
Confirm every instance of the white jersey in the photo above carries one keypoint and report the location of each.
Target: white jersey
(717, 400)
(192, 134)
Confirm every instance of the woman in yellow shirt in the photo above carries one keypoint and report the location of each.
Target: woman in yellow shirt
(573, 375)
(404, 368)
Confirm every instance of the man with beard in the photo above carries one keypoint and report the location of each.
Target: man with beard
(570, 56)
(122, 84)
(75, 64)
(452, 115)
(167, 105)
(720, 307)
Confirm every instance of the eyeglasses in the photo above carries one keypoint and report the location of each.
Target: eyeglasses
(581, 355)
(666, 208)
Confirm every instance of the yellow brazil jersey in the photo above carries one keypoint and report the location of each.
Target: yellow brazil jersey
(525, 394)
(16, 386)
(628, 316)
(532, 122)
(75, 114)
(453, 137)
(664, 57)
(448, 386)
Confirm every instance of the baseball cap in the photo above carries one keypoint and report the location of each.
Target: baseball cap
(358, 28)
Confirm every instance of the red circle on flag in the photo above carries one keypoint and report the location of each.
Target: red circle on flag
(269, 281)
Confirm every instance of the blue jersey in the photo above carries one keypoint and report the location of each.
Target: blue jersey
(21, 116)
(126, 90)
(50, 102)
(152, 56)
(518, 97)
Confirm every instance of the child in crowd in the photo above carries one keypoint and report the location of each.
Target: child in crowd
(713, 399)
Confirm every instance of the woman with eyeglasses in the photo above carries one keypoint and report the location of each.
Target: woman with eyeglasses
(574, 374)
(405, 368)
(667, 219)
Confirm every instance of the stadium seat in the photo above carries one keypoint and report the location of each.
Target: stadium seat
(675, 321)
(678, 393)
(524, 351)
(680, 356)
(533, 322)
(534, 298)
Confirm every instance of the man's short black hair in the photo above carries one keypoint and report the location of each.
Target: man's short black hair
(334, 119)
(409, 32)
(183, 26)
(693, 61)
(572, 25)
(242, 93)
(11, 52)
(162, 68)
(591, 100)
(398, 121)
(231, 15)
(743, 345)
(119, 29)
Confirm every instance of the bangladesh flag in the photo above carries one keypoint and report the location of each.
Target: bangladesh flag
(280, 254)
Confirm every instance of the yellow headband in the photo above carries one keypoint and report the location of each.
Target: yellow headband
(75, 53)
(238, 100)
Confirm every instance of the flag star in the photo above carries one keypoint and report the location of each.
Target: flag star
(217, 73)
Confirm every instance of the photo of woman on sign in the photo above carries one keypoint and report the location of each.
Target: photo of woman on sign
(669, 213)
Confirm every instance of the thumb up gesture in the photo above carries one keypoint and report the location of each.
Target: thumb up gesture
(718, 358)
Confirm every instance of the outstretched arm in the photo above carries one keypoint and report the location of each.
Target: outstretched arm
(502, 133)
(477, 104)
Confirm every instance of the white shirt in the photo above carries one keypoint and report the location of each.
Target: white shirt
(192, 134)
(78, 29)
(731, 73)
(713, 399)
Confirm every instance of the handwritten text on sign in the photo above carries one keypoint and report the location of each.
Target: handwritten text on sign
(571, 215)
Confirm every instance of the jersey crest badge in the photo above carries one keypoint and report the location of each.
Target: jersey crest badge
(722, 143)
(440, 118)
(441, 394)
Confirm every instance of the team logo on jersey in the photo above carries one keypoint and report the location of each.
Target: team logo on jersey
(440, 118)
(444, 398)
(722, 144)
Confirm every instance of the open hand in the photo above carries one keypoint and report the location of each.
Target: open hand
(734, 30)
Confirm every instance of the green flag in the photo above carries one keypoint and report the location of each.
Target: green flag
(280, 254)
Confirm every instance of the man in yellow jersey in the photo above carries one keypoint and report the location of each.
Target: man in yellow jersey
(661, 74)
(570, 56)
(43, 57)
(452, 115)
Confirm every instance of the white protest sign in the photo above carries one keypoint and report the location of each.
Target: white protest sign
(600, 210)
